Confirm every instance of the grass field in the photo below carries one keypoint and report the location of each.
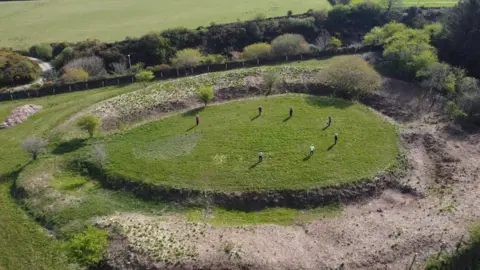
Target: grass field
(32, 22)
(221, 153)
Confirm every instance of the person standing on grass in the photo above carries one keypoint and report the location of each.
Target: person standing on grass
(312, 149)
(260, 156)
(329, 122)
(197, 119)
(259, 110)
(291, 112)
(335, 138)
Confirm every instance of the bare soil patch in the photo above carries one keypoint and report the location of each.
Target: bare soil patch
(19, 115)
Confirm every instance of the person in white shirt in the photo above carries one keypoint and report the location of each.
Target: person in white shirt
(260, 156)
(312, 149)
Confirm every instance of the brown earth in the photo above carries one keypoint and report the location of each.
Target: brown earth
(386, 232)
(19, 115)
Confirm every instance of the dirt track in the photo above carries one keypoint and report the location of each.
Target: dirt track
(382, 233)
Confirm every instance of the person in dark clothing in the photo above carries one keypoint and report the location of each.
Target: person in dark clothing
(335, 138)
(260, 110)
(329, 122)
(260, 156)
(291, 112)
(197, 119)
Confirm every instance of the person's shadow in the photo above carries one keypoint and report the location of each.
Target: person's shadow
(255, 117)
(331, 146)
(286, 119)
(255, 165)
(191, 128)
(326, 127)
(307, 157)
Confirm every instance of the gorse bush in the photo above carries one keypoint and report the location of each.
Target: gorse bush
(352, 77)
(42, 51)
(144, 77)
(289, 44)
(89, 123)
(89, 247)
(257, 50)
(73, 75)
(16, 69)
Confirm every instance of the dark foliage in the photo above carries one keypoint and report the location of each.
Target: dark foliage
(16, 69)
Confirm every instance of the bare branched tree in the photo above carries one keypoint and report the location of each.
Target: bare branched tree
(322, 42)
(34, 146)
(93, 65)
(120, 68)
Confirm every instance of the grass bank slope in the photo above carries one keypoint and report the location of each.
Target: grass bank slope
(221, 153)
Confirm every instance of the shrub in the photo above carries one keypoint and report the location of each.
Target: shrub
(144, 77)
(93, 65)
(289, 44)
(42, 51)
(257, 50)
(88, 247)
(157, 68)
(320, 16)
(205, 94)
(137, 67)
(153, 49)
(89, 123)
(16, 69)
(270, 80)
(352, 76)
(438, 77)
(63, 57)
(214, 59)
(335, 43)
(34, 146)
(73, 75)
(187, 58)
(120, 68)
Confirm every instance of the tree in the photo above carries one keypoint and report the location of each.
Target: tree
(389, 4)
(438, 77)
(352, 76)
(187, 58)
(154, 49)
(214, 59)
(322, 42)
(205, 94)
(256, 50)
(62, 58)
(378, 35)
(120, 68)
(42, 51)
(93, 65)
(88, 247)
(144, 77)
(16, 69)
(34, 146)
(270, 80)
(462, 36)
(73, 75)
(89, 123)
(289, 44)
(335, 43)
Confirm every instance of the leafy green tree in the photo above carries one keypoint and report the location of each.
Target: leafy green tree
(42, 51)
(289, 44)
(187, 58)
(438, 77)
(214, 59)
(205, 94)
(352, 76)
(62, 58)
(256, 50)
(88, 247)
(144, 77)
(89, 123)
(155, 49)
(378, 35)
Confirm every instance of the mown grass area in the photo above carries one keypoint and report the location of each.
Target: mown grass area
(279, 216)
(23, 243)
(32, 22)
(221, 153)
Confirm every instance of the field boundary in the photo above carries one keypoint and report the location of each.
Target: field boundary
(174, 73)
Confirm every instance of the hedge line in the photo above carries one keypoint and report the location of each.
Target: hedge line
(175, 73)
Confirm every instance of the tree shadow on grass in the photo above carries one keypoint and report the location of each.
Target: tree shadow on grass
(69, 146)
(193, 112)
(286, 119)
(254, 165)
